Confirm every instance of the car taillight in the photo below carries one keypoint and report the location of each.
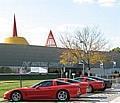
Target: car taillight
(79, 91)
(103, 84)
(87, 89)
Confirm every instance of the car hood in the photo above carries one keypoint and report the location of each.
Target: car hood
(24, 88)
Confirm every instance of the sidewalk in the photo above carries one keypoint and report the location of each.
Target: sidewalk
(116, 100)
(2, 100)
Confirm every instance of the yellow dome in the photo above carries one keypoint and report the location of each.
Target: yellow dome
(16, 40)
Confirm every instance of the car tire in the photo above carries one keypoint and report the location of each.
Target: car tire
(16, 96)
(90, 89)
(103, 89)
(63, 95)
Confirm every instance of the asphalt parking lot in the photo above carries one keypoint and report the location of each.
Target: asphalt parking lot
(108, 96)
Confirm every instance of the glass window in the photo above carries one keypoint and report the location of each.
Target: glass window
(43, 84)
(90, 79)
(79, 79)
(72, 81)
(62, 83)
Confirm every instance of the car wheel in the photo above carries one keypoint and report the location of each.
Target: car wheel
(62, 95)
(16, 96)
(103, 89)
(89, 89)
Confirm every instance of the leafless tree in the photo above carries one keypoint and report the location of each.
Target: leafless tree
(86, 44)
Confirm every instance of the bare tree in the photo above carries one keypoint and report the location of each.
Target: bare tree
(86, 45)
(92, 41)
(71, 53)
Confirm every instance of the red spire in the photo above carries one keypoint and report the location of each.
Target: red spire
(14, 28)
(50, 40)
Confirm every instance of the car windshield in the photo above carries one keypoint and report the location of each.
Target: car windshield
(43, 84)
(91, 79)
(79, 79)
(69, 80)
(73, 81)
(59, 82)
(98, 78)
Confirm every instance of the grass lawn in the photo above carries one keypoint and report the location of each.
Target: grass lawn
(8, 85)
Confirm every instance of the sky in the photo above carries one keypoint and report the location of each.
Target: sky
(35, 18)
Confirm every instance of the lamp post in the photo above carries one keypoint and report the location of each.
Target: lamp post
(70, 63)
(61, 72)
(85, 53)
(20, 76)
(101, 66)
(73, 74)
(114, 64)
(83, 68)
(21, 70)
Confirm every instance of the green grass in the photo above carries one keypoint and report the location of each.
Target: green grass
(8, 85)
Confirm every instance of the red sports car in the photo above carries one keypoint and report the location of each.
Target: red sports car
(83, 85)
(48, 89)
(93, 83)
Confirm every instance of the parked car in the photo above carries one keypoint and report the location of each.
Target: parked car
(83, 85)
(93, 83)
(108, 83)
(48, 89)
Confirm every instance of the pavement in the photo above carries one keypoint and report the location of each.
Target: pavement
(116, 100)
(2, 100)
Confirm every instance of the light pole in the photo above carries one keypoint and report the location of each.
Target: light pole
(101, 66)
(20, 76)
(85, 53)
(21, 70)
(83, 68)
(114, 64)
(61, 72)
(73, 74)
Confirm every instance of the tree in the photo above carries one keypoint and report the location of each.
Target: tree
(86, 45)
(71, 54)
(116, 50)
(5, 70)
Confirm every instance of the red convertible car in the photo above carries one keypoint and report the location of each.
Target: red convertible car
(48, 89)
(93, 83)
(83, 85)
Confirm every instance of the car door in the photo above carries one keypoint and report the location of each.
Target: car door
(46, 90)
(42, 91)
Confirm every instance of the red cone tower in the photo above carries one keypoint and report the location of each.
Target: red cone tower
(50, 40)
(15, 39)
(14, 28)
